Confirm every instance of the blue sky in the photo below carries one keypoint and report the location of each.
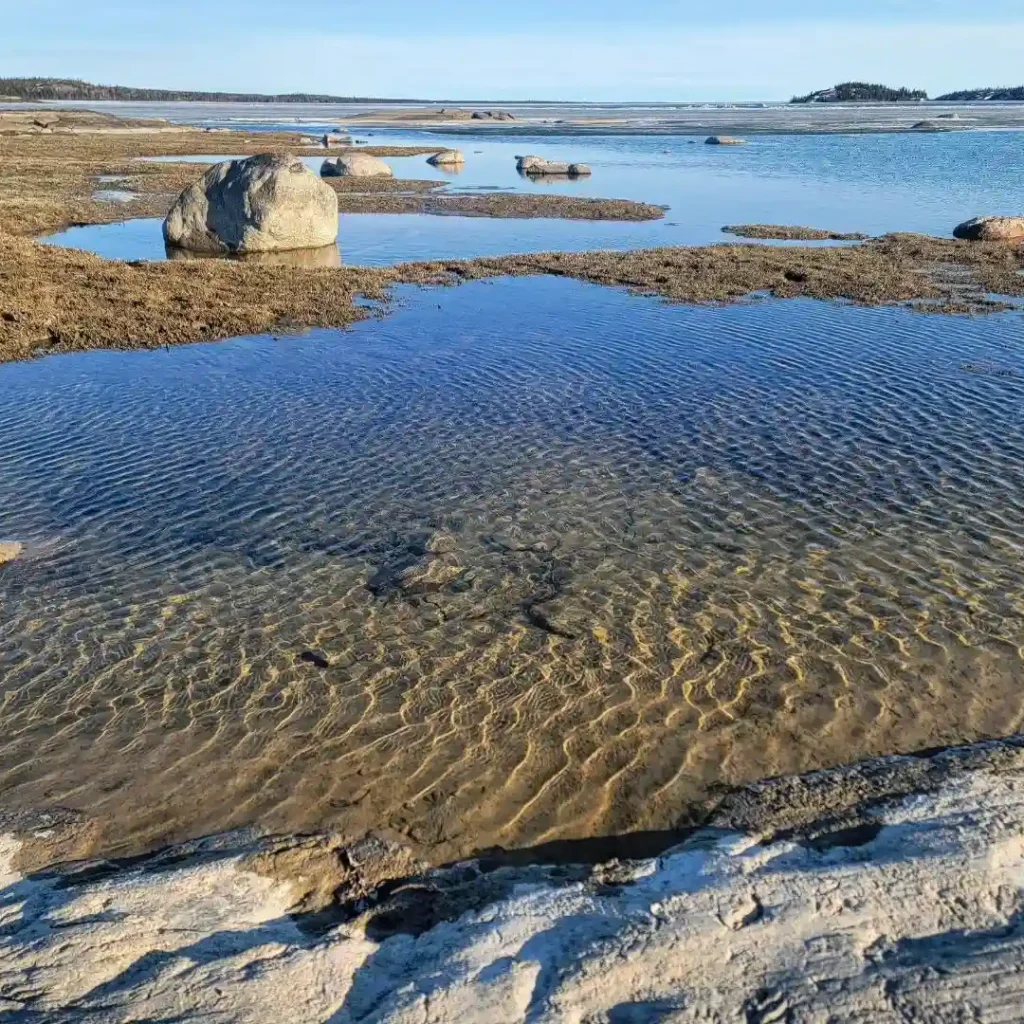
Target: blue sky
(548, 49)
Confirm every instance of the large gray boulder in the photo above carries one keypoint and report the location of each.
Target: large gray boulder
(991, 229)
(356, 165)
(263, 203)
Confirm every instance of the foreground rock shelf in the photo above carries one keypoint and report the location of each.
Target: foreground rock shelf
(887, 891)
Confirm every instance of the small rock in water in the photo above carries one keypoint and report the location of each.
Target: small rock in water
(441, 542)
(557, 616)
(724, 140)
(538, 165)
(356, 165)
(446, 157)
(315, 658)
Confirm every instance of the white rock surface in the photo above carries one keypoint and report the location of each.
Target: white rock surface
(260, 204)
(914, 917)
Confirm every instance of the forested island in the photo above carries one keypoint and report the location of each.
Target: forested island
(862, 92)
(48, 89)
(1004, 95)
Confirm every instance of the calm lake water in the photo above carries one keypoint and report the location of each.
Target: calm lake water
(867, 183)
(572, 559)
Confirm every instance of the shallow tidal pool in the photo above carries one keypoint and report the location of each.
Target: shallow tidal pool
(522, 560)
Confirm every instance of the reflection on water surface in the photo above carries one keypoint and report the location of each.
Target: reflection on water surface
(572, 559)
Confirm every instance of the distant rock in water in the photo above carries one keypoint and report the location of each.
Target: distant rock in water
(356, 165)
(539, 166)
(260, 204)
(446, 158)
(991, 229)
(492, 115)
(724, 140)
(335, 139)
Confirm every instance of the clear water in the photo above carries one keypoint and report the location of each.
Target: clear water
(866, 183)
(574, 558)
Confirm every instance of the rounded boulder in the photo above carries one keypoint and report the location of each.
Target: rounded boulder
(264, 203)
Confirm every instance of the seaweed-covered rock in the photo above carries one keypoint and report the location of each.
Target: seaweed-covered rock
(260, 204)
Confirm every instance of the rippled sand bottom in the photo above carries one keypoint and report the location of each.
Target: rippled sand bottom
(573, 560)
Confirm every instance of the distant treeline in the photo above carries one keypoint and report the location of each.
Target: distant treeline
(45, 89)
(974, 95)
(862, 92)
(866, 92)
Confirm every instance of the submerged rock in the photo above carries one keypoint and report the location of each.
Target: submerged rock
(724, 140)
(9, 551)
(259, 204)
(446, 158)
(991, 229)
(356, 165)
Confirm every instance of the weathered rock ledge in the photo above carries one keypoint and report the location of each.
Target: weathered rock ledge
(885, 891)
